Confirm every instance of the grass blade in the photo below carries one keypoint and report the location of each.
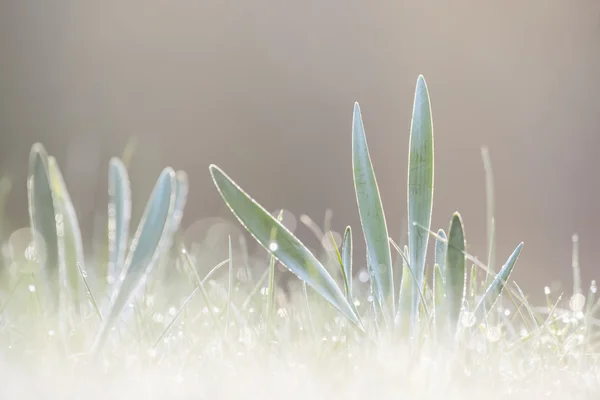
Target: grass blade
(489, 195)
(456, 272)
(495, 289)
(439, 301)
(119, 215)
(347, 262)
(441, 248)
(420, 187)
(152, 236)
(285, 247)
(372, 218)
(42, 216)
(69, 237)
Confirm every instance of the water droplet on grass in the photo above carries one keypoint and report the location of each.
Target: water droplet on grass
(31, 288)
(273, 246)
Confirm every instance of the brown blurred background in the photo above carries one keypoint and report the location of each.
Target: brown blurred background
(265, 90)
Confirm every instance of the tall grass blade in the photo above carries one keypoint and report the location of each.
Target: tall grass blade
(119, 216)
(441, 248)
(456, 273)
(495, 289)
(347, 261)
(405, 296)
(153, 235)
(420, 188)
(286, 247)
(439, 301)
(43, 216)
(372, 218)
(489, 195)
(70, 244)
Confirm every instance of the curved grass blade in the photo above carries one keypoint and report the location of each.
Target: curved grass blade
(405, 296)
(439, 303)
(372, 218)
(181, 193)
(69, 238)
(441, 248)
(152, 236)
(281, 243)
(420, 187)
(495, 289)
(456, 273)
(489, 196)
(42, 215)
(119, 215)
(347, 262)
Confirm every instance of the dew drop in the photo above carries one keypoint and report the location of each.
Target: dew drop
(547, 290)
(31, 288)
(363, 276)
(273, 246)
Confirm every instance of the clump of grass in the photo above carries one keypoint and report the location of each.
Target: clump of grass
(137, 326)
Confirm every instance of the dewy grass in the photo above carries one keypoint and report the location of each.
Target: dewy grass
(135, 328)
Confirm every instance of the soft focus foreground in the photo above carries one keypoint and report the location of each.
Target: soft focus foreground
(140, 318)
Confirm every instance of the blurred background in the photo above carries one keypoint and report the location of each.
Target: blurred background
(265, 89)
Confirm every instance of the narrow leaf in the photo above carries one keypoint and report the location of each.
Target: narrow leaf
(69, 237)
(420, 187)
(372, 218)
(495, 289)
(281, 243)
(119, 216)
(439, 303)
(152, 236)
(43, 216)
(455, 271)
(441, 247)
(347, 262)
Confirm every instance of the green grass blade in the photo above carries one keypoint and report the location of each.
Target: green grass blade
(372, 218)
(42, 216)
(153, 234)
(441, 248)
(405, 295)
(347, 261)
(286, 247)
(489, 195)
(420, 187)
(439, 301)
(119, 215)
(69, 237)
(181, 194)
(456, 273)
(473, 282)
(493, 292)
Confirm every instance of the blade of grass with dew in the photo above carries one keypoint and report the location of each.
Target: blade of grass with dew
(230, 286)
(420, 187)
(405, 295)
(372, 218)
(152, 234)
(347, 261)
(441, 248)
(473, 282)
(340, 261)
(456, 273)
(495, 289)
(69, 238)
(412, 279)
(439, 301)
(43, 217)
(271, 292)
(287, 248)
(489, 195)
(119, 216)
